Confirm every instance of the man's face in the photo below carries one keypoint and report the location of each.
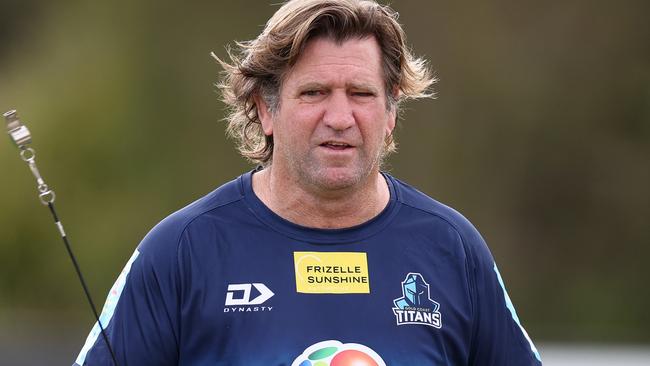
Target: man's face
(332, 121)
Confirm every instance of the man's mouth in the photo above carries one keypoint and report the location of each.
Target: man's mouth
(335, 145)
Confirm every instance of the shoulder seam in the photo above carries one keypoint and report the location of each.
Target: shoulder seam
(189, 221)
(449, 222)
(439, 216)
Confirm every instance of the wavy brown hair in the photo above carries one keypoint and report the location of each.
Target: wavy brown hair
(257, 67)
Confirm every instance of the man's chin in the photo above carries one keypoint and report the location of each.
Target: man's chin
(335, 179)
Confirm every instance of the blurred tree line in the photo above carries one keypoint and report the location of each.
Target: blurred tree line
(540, 134)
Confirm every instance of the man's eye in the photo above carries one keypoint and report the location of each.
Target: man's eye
(362, 94)
(311, 93)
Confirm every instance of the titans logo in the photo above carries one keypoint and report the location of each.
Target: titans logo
(415, 306)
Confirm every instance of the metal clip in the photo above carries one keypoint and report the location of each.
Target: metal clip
(17, 131)
(21, 137)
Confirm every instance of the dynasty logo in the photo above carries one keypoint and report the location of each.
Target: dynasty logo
(415, 306)
(238, 298)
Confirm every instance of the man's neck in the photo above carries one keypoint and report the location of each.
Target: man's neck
(325, 210)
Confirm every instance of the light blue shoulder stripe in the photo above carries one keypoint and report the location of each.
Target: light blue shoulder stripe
(511, 307)
(107, 310)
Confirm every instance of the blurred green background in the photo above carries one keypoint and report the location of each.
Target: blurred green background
(540, 135)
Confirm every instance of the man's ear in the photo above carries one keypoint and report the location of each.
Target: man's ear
(393, 110)
(265, 115)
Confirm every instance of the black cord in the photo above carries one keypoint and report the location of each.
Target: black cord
(81, 279)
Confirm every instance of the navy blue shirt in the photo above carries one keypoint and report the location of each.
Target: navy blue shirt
(225, 281)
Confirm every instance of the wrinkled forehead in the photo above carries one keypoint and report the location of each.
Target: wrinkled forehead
(357, 60)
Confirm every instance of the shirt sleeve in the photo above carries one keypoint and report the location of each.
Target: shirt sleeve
(140, 315)
(498, 339)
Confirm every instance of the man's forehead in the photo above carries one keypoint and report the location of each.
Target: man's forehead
(357, 62)
(329, 50)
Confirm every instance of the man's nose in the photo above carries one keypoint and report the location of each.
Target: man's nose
(339, 112)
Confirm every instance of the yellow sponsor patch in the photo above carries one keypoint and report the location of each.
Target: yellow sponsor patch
(331, 273)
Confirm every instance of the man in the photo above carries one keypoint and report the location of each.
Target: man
(316, 257)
